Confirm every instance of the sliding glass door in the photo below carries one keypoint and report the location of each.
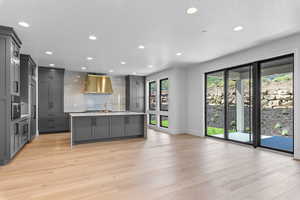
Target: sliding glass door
(239, 104)
(253, 104)
(277, 104)
(215, 104)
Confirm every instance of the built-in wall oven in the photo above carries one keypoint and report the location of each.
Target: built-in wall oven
(15, 107)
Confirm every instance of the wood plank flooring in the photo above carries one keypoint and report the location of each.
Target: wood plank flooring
(181, 167)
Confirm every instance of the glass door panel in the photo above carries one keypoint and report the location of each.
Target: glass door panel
(239, 106)
(277, 104)
(215, 106)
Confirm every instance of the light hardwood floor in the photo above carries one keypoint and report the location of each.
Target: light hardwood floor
(162, 167)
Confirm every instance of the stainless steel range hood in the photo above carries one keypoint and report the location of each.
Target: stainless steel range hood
(98, 84)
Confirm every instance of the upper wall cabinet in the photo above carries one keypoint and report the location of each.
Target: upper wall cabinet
(135, 93)
(15, 69)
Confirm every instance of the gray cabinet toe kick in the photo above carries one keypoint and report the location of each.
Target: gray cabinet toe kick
(86, 129)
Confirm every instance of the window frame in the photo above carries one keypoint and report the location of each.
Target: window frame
(160, 121)
(160, 94)
(149, 96)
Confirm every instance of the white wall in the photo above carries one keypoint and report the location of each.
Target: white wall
(177, 99)
(195, 80)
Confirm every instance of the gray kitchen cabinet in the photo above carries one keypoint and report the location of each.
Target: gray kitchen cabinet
(10, 46)
(51, 101)
(15, 69)
(33, 109)
(101, 127)
(14, 143)
(83, 128)
(135, 93)
(134, 125)
(117, 126)
(24, 84)
(97, 128)
(26, 81)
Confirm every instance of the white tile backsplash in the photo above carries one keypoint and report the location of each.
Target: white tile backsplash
(75, 100)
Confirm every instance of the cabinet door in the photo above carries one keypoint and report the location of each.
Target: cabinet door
(56, 101)
(43, 93)
(140, 98)
(12, 143)
(101, 129)
(117, 127)
(134, 125)
(82, 128)
(135, 93)
(33, 110)
(15, 71)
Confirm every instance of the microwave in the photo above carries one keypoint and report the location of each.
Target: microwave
(15, 107)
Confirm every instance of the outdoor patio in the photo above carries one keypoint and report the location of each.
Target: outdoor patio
(277, 142)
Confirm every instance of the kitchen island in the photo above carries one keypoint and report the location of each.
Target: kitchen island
(101, 126)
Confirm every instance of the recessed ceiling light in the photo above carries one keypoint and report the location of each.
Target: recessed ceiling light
(178, 54)
(51, 65)
(111, 71)
(92, 37)
(123, 62)
(84, 68)
(191, 10)
(141, 47)
(24, 24)
(238, 28)
(134, 73)
(49, 52)
(89, 58)
(150, 66)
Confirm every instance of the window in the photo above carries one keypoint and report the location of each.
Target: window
(164, 92)
(152, 95)
(152, 119)
(164, 121)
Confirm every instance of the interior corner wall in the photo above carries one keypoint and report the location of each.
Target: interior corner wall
(195, 81)
(177, 99)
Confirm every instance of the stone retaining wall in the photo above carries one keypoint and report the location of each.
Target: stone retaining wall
(274, 121)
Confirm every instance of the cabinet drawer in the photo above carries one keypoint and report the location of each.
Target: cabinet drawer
(52, 124)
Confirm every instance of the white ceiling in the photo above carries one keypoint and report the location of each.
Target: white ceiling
(162, 26)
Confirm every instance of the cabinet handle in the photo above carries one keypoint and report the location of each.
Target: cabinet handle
(16, 129)
(16, 53)
(16, 86)
(50, 105)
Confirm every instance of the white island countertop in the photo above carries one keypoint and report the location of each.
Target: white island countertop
(91, 114)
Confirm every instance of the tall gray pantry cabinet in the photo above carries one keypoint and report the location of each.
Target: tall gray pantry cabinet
(52, 118)
(9, 86)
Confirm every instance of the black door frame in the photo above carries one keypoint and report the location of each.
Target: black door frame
(256, 102)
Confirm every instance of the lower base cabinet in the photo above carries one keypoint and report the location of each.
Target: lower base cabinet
(101, 127)
(53, 124)
(82, 128)
(134, 125)
(19, 136)
(117, 126)
(106, 127)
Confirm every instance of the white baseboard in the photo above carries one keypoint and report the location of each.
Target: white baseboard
(194, 132)
(297, 156)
